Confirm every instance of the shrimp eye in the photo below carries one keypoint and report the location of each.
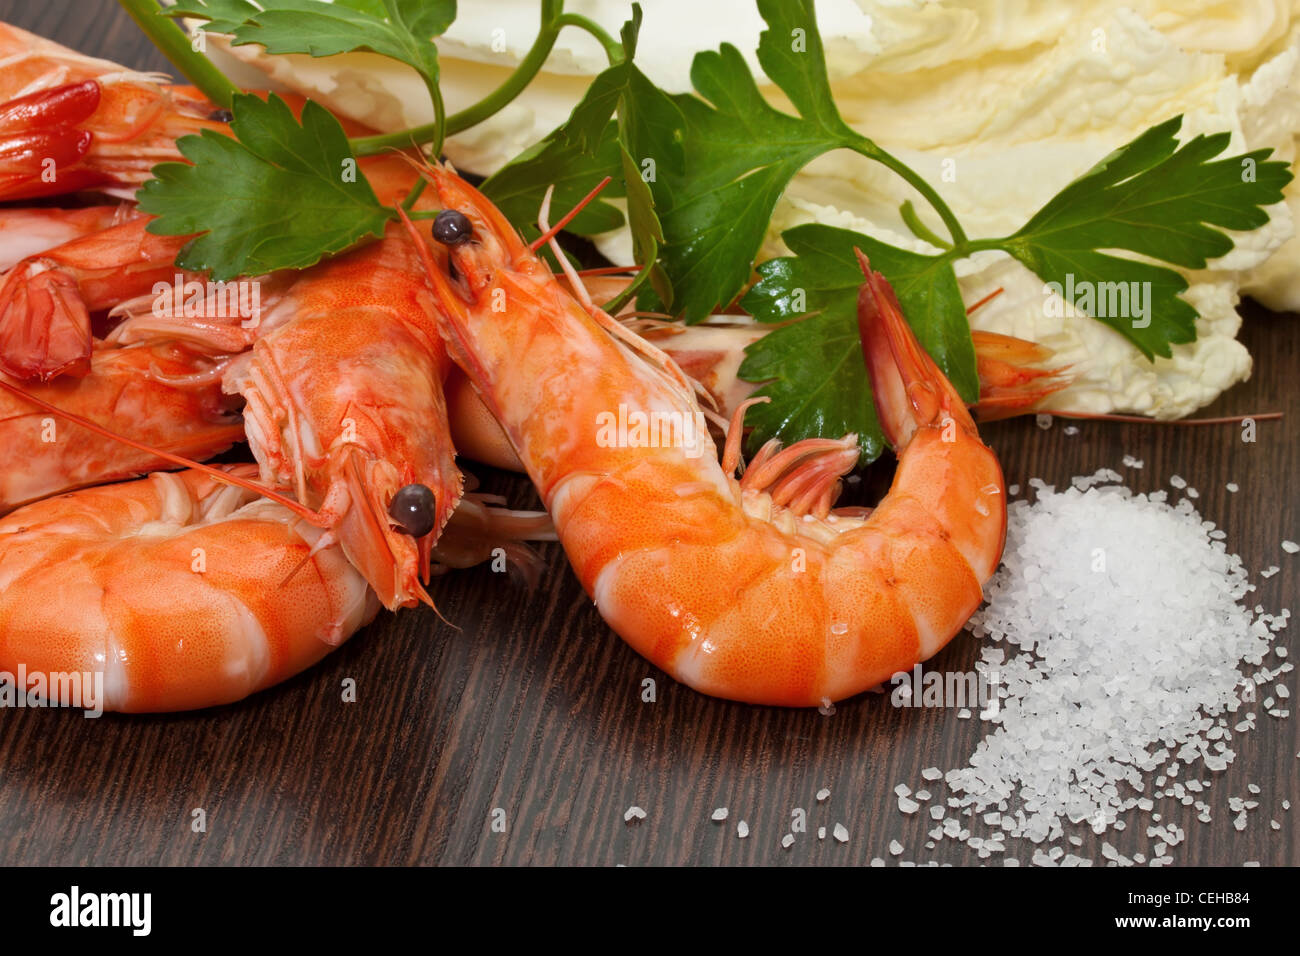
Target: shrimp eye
(221, 116)
(451, 227)
(412, 509)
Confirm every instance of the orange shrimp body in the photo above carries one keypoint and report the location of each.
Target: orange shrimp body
(47, 298)
(751, 590)
(178, 588)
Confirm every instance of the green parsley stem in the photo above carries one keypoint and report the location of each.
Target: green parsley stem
(439, 115)
(613, 49)
(969, 246)
(632, 288)
(414, 194)
(175, 44)
(870, 150)
(920, 229)
(514, 84)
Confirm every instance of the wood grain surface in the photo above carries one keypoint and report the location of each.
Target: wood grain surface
(530, 705)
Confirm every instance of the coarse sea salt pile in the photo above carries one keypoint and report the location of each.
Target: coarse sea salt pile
(1123, 650)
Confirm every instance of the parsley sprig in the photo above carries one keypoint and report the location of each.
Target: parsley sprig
(277, 196)
(288, 211)
(701, 173)
(1151, 197)
(402, 30)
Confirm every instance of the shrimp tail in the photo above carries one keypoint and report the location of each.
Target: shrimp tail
(40, 129)
(1013, 380)
(909, 389)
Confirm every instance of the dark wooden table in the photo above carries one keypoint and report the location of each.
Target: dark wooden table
(532, 710)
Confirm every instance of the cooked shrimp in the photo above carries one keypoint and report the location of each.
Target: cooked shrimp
(1013, 379)
(345, 407)
(70, 122)
(159, 395)
(47, 298)
(184, 591)
(754, 589)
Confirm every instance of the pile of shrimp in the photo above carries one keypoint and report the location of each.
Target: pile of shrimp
(356, 385)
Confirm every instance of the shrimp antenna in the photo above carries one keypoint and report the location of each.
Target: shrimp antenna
(550, 231)
(296, 507)
(985, 301)
(1182, 422)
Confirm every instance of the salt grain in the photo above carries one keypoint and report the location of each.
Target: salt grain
(823, 794)
(719, 814)
(1233, 487)
(841, 833)
(633, 813)
(1290, 547)
(1089, 713)
(742, 829)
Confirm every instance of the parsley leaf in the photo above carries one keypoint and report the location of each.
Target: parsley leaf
(817, 381)
(589, 146)
(1157, 199)
(400, 29)
(518, 187)
(278, 197)
(740, 155)
(813, 367)
(647, 235)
